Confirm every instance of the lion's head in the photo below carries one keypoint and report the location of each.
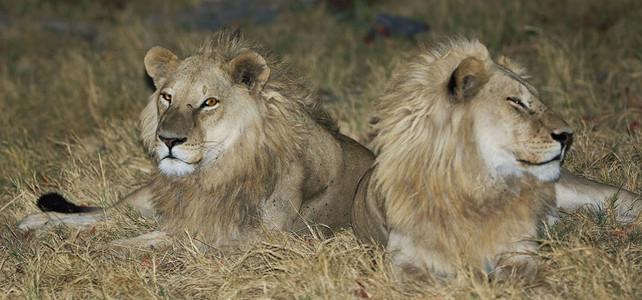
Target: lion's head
(454, 125)
(222, 97)
(514, 130)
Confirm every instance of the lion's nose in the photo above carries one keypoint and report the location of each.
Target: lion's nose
(565, 138)
(172, 141)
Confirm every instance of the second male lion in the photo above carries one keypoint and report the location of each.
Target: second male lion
(468, 162)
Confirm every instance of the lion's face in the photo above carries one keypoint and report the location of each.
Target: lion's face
(515, 132)
(200, 108)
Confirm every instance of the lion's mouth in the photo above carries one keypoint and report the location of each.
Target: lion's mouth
(174, 158)
(171, 156)
(530, 163)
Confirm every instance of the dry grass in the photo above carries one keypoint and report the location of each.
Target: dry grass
(71, 96)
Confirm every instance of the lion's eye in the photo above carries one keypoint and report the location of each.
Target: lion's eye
(167, 97)
(210, 102)
(516, 101)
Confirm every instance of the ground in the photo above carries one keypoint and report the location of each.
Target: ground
(72, 84)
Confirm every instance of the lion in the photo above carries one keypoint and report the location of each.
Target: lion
(467, 164)
(241, 144)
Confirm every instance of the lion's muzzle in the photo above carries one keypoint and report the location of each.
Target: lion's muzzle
(174, 160)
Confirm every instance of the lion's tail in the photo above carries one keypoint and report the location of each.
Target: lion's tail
(57, 203)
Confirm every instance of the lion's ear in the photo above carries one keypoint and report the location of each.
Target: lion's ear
(159, 62)
(467, 79)
(249, 69)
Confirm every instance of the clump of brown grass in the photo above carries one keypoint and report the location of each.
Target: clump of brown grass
(70, 102)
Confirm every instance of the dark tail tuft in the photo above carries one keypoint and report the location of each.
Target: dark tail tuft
(56, 202)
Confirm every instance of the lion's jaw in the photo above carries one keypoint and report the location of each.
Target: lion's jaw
(503, 162)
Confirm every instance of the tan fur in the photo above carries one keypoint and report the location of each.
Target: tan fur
(443, 203)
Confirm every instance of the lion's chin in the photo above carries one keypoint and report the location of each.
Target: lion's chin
(174, 167)
(545, 171)
(548, 172)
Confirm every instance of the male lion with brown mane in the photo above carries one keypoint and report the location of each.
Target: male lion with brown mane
(241, 145)
(467, 164)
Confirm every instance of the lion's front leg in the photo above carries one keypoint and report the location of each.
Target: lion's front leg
(413, 262)
(520, 262)
(574, 192)
(521, 265)
(282, 209)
